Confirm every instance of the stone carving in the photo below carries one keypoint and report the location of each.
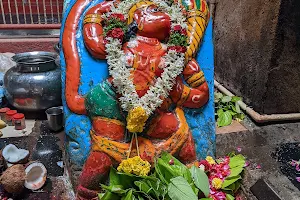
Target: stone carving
(104, 114)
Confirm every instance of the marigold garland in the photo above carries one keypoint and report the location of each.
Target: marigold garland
(136, 120)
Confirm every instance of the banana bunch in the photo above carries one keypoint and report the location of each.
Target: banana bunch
(2, 125)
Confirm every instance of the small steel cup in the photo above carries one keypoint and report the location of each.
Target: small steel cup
(55, 117)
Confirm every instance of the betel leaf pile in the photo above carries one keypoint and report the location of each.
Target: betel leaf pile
(172, 180)
(227, 109)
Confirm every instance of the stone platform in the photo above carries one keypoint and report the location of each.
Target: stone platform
(48, 148)
(268, 148)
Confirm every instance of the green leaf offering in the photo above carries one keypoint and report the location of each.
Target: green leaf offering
(166, 170)
(171, 180)
(226, 99)
(143, 186)
(227, 109)
(180, 189)
(176, 169)
(224, 119)
(235, 171)
(236, 164)
(237, 161)
(237, 107)
(129, 196)
(235, 99)
(229, 181)
(229, 197)
(108, 196)
(218, 96)
(200, 180)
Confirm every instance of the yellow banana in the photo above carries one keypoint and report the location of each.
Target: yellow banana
(2, 124)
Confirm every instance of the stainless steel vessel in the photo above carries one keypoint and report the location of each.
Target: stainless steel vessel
(55, 117)
(34, 84)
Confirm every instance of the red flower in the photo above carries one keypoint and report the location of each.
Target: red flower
(118, 16)
(177, 28)
(206, 165)
(105, 41)
(183, 32)
(116, 33)
(178, 49)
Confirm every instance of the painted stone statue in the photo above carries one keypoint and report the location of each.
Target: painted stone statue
(147, 98)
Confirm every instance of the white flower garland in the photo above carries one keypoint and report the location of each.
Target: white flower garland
(116, 59)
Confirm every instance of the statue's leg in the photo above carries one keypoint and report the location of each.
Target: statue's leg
(187, 154)
(96, 168)
(108, 125)
(175, 135)
(95, 171)
(163, 125)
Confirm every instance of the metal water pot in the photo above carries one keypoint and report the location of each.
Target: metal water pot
(34, 84)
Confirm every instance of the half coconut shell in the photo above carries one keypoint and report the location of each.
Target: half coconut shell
(36, 175)
(14, 155)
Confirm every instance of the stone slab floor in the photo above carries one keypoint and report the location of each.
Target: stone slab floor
(269, 149)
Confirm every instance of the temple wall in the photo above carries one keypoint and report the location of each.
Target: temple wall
(256, 52)
(20, 45)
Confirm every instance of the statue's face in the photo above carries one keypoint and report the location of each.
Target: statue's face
(152, 22)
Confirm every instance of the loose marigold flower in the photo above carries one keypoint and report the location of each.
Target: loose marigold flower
(217, 183)
(210, 160)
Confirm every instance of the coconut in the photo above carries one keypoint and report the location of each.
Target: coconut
(36, 175)
(13, 155)
(13, 179)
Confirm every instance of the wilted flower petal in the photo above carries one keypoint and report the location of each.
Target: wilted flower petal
(258, 166)
(247, 163)
(293, 163)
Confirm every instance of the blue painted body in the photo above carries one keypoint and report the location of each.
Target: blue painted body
(77, 127)
(202, 121)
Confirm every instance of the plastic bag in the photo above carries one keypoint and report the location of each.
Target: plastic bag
(6, 62)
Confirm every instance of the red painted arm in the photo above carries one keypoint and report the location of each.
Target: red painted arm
(93, 31)
(74, 100)
(196, 94)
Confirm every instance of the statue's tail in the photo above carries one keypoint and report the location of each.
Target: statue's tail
(74, 100)
(197, 20)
